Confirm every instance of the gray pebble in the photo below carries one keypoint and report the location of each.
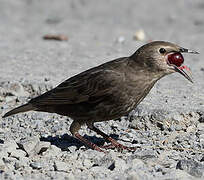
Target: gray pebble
(10, 146)
(52, 151)
(2, 166)
(29, 145)
(18, 153)
(36, 165)
(192, 167)
(61, 166)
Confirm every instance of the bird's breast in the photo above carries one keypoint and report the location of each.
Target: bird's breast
(133, 93)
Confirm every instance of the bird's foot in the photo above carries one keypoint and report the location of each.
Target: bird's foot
(88, 143)
(114, 144)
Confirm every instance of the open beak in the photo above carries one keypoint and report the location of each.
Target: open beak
(176, 59)
(181, 71)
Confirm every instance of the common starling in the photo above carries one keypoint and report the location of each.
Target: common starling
(110, 90)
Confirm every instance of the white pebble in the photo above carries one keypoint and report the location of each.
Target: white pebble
(139, 35)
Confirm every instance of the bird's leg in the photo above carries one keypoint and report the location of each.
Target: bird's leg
(114, 143)
(74, 128)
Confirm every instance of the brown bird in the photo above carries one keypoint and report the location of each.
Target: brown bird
(110, 90)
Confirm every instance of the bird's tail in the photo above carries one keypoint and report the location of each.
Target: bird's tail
(23, 108)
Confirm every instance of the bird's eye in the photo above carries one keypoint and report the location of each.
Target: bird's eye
(162, 50)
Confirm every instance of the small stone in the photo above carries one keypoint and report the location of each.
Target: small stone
(139, 174)
(2, 166)
(10, 146)
(18, 153)
(177, 118)
(202, 136)
(3, 153)
(120, 165)
(201, 119)
(16, 89)
(144, 155)
(192, 167)
(61, 166)
(42, 147)
(191, 128)
(9, 99)
(105, 161)
(139, 35)
(9, 162)
(137, 164)
(17, 165)
(120, 39)
(29, 145)
(22, 163)
(52, 151)
(33, 146)
(99, 170)
(72, 148)
(36, 165)
(200, 126)
(87, 163)
(178, 127)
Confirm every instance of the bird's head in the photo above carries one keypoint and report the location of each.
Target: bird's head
(163, 57)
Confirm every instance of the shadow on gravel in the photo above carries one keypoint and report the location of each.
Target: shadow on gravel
(65, 141)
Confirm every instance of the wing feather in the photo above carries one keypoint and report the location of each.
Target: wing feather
(86, 87)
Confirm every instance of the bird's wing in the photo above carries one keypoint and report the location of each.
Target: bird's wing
(86, 87)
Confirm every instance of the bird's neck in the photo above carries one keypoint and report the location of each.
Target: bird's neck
(140, 71)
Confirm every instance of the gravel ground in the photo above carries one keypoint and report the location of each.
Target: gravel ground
(167, 127)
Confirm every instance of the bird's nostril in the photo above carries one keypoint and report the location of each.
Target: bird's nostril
(176, 59)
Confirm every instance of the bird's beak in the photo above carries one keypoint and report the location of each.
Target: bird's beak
(184, 50)
(181, 71)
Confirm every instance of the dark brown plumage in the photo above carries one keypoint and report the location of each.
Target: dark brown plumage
(110, 90)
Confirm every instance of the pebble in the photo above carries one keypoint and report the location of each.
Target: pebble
(42, 146)
(139, 35)
(33, 146)
(61, 166)
(18, 153)
(36, 165)
(10, 146)
(3, 153)
(191, 128)
(72, 148)
(139, 174)
(200, 126)
(16, 89)
(137, 164)
(52, 151)
(120, 165)
(105, 161)
(29, 145)
(2, 166)
(192, 167)
(120, 39)
(87, 163)
(22, 163)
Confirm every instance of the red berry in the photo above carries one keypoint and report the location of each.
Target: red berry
(176, 59)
